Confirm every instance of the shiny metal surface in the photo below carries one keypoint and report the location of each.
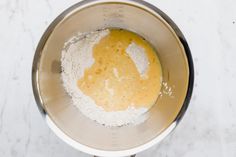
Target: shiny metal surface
(55, 105)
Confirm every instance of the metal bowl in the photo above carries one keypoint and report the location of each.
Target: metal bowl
(66, 120)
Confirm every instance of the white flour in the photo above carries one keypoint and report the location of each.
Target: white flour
(139, 57)
(77, 56)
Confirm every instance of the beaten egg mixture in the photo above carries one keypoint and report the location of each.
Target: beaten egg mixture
(113, 81)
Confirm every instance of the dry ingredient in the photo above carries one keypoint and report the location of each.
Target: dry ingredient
(139, 57)
(97, 97)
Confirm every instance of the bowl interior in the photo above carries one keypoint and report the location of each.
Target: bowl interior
(131, 16)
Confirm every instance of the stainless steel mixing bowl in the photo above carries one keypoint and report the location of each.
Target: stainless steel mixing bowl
(67, 121)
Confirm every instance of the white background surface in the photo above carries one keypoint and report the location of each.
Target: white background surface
(209, 126)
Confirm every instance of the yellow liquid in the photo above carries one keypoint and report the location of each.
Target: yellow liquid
(113, 81)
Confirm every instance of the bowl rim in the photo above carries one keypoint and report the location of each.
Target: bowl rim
(35, 85)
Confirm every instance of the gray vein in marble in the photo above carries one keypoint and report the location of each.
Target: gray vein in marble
(29, 32)
(49, 6)
(4, 103)
(1, 113)
(13, 10)
(28, 122)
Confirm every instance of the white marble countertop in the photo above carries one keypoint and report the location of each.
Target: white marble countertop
(209, 126)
